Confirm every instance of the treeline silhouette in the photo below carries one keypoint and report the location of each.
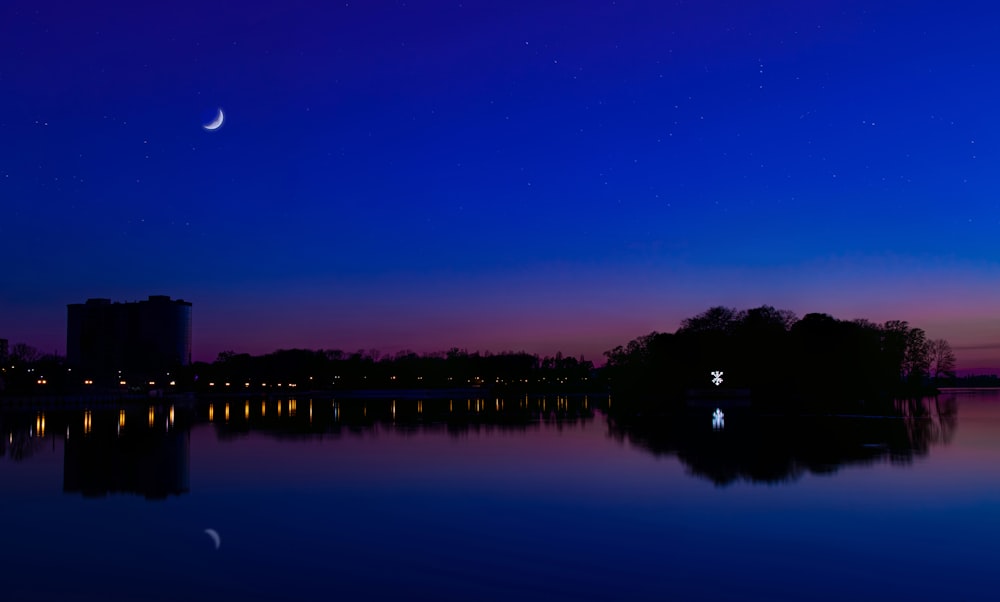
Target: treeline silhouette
(780, 358)
(25, 371)
(340, 370)
(975, 380)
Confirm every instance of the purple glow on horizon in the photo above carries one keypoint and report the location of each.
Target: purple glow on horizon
(522, 177)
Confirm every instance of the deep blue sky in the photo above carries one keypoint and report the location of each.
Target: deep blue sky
(509, 175)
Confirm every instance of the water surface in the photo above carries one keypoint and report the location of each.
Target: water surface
(531, 498)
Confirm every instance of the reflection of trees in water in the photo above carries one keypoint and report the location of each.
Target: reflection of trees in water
(775, 449)
(23, 435)
(321, 417)
(936, 417)
(20, 445)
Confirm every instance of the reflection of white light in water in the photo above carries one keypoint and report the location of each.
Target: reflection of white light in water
(717, 378)
(718, 419)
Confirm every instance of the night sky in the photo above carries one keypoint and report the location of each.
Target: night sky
(534, 176)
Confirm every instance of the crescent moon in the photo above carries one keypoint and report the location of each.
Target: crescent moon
(215, 537)
(215, 123)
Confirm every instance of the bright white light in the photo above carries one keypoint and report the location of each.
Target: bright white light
(717, 378)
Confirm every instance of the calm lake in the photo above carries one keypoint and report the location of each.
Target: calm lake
(498, 499)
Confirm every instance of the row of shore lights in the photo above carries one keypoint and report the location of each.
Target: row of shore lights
(172, 383)
(247, 384)
(123, 382)
(293, 385)
(41, 380)
(88, 381)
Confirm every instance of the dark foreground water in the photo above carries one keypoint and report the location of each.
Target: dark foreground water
(513, 499)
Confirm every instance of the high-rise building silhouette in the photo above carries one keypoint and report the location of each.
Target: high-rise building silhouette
(144, 338)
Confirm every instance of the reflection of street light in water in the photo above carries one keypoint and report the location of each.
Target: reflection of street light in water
(718, 419)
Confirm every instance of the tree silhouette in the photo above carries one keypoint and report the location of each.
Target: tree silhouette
(22, 353)
(916, 357)
(715, 320)
(942, 359)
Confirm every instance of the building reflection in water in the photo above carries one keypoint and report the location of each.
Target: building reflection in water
(114, 455)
